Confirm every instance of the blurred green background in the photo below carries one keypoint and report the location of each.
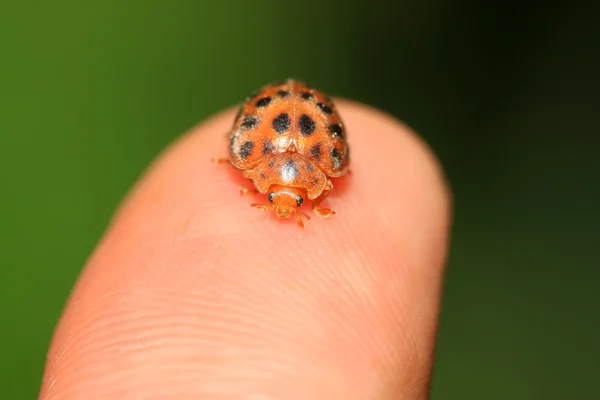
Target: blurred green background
(506, 93)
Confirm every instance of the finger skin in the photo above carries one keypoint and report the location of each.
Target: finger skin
(194, 294)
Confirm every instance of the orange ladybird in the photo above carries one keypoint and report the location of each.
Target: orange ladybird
(289, 140)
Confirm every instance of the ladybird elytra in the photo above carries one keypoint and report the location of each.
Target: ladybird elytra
(289, 140)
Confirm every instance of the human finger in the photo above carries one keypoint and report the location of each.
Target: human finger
(193, 293)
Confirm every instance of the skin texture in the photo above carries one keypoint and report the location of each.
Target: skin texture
(194, 294)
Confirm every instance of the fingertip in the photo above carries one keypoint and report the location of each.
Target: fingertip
(235, 295)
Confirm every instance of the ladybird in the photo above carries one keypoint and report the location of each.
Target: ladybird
(289, 139)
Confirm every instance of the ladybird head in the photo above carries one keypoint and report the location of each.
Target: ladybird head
(284, 202)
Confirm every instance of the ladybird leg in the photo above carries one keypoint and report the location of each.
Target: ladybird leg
(246, 191)
(262, 207)
(299, 216)
(323, 212)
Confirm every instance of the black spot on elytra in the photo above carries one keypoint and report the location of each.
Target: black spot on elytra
(263, 176)
(263, 102)
(315, 151)
(325, 108)
(281, 123)
(249, 122)
(246, 149)
(336, 158)
(268, 148)
(309, 167)
(307, 125)
(336, 130)
(314, 181)
(306, 95)
(271, 163)
(283, 93)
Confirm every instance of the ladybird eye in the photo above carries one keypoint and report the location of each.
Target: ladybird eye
(299, 201)
(271, 197)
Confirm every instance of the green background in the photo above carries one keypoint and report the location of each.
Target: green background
(507, 96)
